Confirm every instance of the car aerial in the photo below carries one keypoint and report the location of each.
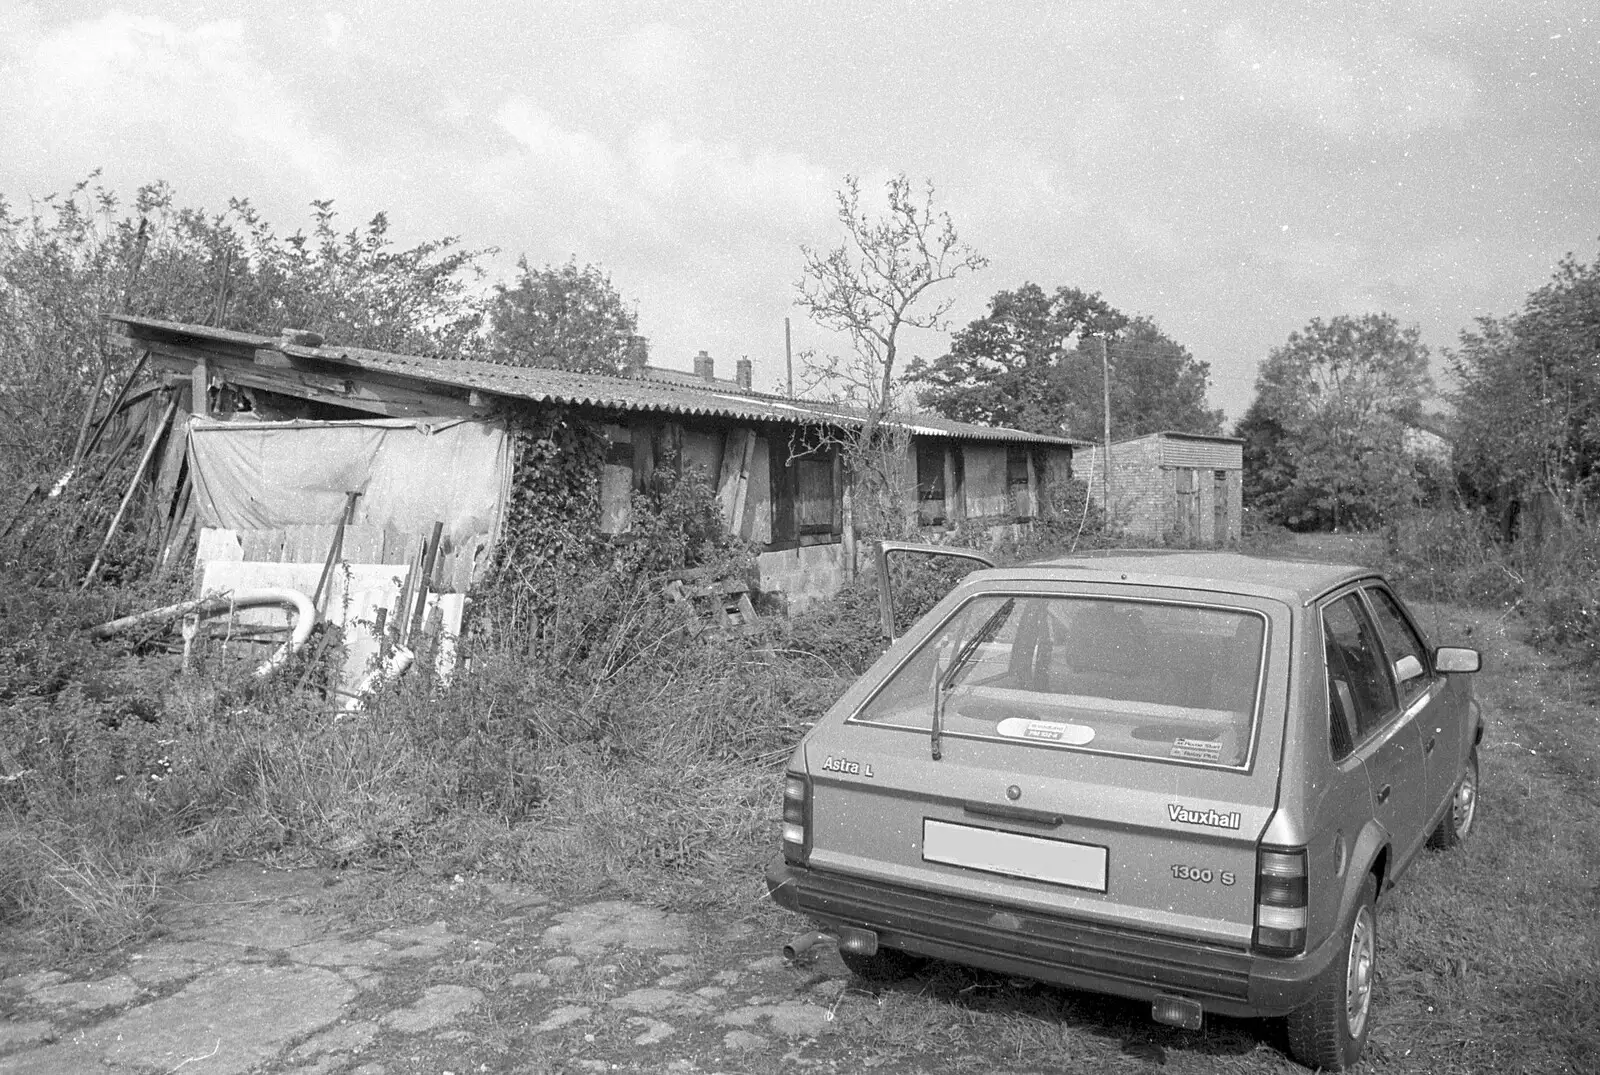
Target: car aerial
(1181, 777)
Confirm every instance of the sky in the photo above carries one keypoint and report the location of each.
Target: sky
(1231, 170)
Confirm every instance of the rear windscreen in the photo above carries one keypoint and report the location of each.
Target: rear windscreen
(1143, 678)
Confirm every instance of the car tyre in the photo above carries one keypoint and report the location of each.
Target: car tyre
(1330, 1030)
(1457, 822)
(883, 966)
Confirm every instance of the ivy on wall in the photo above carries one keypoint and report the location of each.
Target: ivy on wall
(554, 514)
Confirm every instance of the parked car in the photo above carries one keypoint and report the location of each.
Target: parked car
(1186, 778)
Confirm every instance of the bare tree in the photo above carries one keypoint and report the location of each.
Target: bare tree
(868, 285)
(869, 288)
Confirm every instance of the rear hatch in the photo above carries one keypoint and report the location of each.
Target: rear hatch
(1099, 755)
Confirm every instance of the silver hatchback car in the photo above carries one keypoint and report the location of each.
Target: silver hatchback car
(1185, 778)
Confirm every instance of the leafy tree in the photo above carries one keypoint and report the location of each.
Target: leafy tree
(70, 260)
(1268, 464)
(1029, 363)
(563, 317)
(1156, 384)
(869, 288)
(1343, 392)
(1529, 402)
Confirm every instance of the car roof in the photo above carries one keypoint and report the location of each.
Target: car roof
(1292, 581)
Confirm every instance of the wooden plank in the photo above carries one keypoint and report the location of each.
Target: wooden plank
(733, 483)
(200, 387)
(323, 382)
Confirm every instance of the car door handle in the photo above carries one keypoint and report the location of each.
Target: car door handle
(1013, 813)
(1383, 793)
(1429, 748)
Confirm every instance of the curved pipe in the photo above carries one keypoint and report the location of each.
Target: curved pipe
(305, 617)
(399, 659)
(804, 943)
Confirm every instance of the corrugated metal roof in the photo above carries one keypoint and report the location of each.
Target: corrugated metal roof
(581, 389)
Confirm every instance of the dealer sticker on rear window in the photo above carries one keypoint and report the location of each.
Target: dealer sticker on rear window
(1197, 749)
(1045, 731)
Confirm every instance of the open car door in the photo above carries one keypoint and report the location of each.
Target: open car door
(886, 585)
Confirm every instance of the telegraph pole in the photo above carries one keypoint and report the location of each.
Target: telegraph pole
(1105, 377)
(788, 356)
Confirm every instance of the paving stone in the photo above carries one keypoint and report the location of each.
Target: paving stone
(654, 1030)
(595, 927)
(30, 1032)
(530, 980)
(344, 1038)
(563, 1016)
(169, 961)
(658, 1000)
(337, 953)
(790, 1018)
(93, 996)
(562, 964)
(439, 1006)
(67, 1058)
(742, 1040)
(37, 980)
(237, 1017)
(434, 934)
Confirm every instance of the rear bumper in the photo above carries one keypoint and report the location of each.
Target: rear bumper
(1061, 950)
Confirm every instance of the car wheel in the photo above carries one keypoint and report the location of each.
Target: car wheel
(884, 965)
(1457, 822)
(1330, 1031)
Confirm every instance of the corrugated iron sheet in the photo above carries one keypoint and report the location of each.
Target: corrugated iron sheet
(578, 389)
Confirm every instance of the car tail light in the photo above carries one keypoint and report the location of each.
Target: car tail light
(1280, 901)
(796, 818)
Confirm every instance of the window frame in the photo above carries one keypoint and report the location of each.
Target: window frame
(1257, 702)
(1359, 732)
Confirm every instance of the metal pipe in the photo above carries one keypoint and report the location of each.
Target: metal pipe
(802, 944)
(305, 617)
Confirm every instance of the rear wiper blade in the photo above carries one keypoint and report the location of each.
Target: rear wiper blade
(942, 683)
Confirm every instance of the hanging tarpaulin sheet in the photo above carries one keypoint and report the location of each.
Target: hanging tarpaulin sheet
(410, 473)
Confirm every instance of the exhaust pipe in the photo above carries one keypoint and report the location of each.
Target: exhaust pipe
(863, 942)
(802, 944)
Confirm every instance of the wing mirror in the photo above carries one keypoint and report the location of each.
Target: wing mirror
(1456, 659)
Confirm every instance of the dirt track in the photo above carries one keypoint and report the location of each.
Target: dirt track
(256, 971)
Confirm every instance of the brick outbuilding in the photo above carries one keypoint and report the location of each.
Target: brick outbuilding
(1183, 488)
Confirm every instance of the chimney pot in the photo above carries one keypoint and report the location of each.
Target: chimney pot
(703, 367)
(743, 372)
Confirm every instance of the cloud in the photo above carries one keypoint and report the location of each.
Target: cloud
(144, 92)
(655, 171)
(1360, 81)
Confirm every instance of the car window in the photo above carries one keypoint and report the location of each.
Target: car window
(1341, 702)
(1146, 678)
(1358, 679)
(1400, 640)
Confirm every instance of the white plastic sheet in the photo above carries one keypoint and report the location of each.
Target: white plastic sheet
(253, 475)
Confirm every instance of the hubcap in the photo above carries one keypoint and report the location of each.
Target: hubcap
(1465, 803)
(1358, 972)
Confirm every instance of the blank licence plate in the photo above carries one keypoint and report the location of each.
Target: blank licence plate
(1014, 854)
